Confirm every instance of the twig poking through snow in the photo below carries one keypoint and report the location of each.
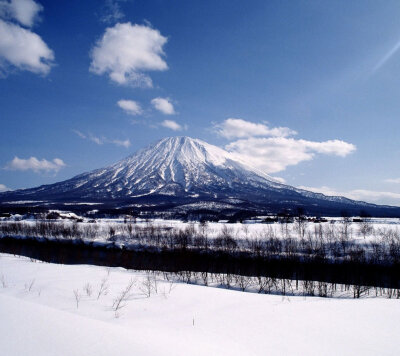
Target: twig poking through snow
(3, 281)
(120, 300)
(103, 289)
(78, 297)
(29, 286)
(88, 289)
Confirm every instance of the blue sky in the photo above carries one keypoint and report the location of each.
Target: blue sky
(306, 90)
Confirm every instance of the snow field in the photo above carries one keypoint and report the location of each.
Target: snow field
(41, 317)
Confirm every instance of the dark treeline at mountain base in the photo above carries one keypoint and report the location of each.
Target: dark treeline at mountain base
(170, 211)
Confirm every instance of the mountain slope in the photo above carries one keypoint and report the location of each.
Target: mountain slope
(182, 170)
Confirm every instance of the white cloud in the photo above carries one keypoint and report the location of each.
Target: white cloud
(392, 180)
(130, 106)
(102, 140)
(173, 125)
(112, 12)
(163, 105)
(80, 134)
(4, 188)
(126, 51)
(123, 143)
(97, 140)
(239, 128)
(271, 149)
(91, 137)
(36, 165)
(371, 196)
(274, 154)
(23, 49)
(23, 11)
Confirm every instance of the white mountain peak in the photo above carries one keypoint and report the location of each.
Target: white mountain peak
(180, 170)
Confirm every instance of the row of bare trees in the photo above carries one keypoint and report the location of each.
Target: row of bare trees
(325, 242)
(273, 285)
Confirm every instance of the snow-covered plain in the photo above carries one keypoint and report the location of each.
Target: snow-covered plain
(39, 316)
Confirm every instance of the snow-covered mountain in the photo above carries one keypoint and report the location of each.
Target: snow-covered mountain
(181, 171)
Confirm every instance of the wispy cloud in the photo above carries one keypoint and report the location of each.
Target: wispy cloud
(387, 56)
(124, 143)
(101, 140)
(80, 134)
(111, 12)
(392, 180)
(36, 165)
(371, 196)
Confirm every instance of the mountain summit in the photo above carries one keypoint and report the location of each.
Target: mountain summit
(185, 172)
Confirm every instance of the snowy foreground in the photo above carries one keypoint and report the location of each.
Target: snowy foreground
(48, 309)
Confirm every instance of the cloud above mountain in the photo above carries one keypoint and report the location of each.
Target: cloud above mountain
(101, 140)
(380, 197)
(127, 51)
(238, 128)
(272, 149)
(163, 105)
(131, 107)
(173, 125)
(36, 165)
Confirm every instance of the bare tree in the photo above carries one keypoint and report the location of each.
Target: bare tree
(203, 227)
(146, 286)
(345, 231)
(88, 289)
(245, 229)
(242, 282)
(171, 286)
(129, 228)
(301, 222)
(3, 281)
(29, 286)
(204, 277)
(121, 299)
(77, 296)
(111, 233)
(103, 288)
(365, 227)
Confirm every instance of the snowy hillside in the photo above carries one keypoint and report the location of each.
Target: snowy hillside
(39, 316)
(183, 170)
